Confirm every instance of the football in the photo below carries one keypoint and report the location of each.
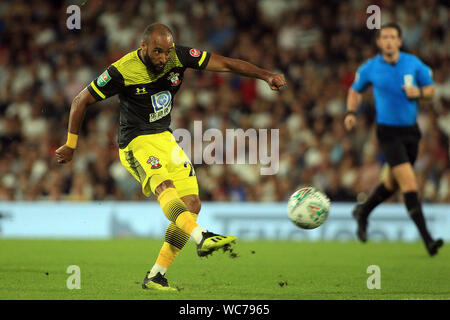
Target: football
(308, 208)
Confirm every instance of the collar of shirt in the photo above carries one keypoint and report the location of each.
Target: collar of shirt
(381, 59)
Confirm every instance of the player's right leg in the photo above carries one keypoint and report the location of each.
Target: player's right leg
(177, 212)
(184, 179)
(384, 191)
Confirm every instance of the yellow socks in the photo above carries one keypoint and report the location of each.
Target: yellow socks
(175, 240)
(183, 225)
(176, 211)
(166, 255)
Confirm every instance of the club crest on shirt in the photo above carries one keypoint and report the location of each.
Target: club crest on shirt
(174, 78)
(154, 162)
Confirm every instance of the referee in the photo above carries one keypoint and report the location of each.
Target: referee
(398, 80)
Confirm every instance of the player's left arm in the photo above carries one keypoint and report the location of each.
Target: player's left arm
(203, 60)
(218, 63)
(425, 92)
(425, 85)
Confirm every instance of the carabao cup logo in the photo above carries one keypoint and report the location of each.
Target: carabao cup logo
(317, 212)
(302, 193)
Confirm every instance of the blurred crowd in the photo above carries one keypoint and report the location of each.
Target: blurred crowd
(317, 45)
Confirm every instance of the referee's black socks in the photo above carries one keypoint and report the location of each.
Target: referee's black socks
(380, 194)
(415, 212)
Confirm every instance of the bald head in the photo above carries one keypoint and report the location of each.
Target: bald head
(156, 45)
(156, 29)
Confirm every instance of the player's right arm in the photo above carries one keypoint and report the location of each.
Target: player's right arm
(353, 100)
(354, 96)
(106, 85)
(77, 110)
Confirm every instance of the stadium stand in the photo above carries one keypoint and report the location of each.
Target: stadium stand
(43, 65)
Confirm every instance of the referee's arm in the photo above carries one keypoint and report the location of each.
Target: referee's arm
(425, 92)
(353, 100)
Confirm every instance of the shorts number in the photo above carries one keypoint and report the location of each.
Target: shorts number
(191, 172)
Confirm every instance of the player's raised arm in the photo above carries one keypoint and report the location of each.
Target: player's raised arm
(77, 110)
(219, 63)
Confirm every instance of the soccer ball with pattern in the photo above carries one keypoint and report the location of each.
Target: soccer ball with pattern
(308, 208)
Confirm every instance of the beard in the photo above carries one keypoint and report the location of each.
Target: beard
(150, 65)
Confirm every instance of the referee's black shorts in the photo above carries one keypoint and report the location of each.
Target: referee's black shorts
(400, 144)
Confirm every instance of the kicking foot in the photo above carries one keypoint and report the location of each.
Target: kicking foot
(212, 242)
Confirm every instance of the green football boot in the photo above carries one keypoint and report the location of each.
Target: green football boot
(212, 242)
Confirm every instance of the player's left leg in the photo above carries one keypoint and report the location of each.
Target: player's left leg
(185, 226)
(183, 185)
(175, 238)
(411, 198)
(406, 178)
(394, 152)
(382, 192)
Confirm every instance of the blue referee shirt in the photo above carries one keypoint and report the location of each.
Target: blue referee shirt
(392, 105)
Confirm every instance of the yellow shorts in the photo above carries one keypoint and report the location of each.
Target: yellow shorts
(159, 154)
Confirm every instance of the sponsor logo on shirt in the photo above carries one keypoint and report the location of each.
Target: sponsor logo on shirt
(162, 104)
(141, 90)
(103, 79)
(194, 52)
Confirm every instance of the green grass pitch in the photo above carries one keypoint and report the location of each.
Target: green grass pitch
(263, 270)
